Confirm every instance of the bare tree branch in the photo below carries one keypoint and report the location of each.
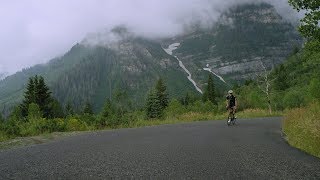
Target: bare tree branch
(264, 83)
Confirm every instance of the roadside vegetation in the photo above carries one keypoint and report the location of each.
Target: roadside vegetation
(294, 90)
(40, 113)
(302, 125)
(302, 128)
(293, 87)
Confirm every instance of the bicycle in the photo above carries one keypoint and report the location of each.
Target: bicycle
(231, 117)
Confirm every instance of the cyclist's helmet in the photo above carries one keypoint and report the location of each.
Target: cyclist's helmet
(230, 92)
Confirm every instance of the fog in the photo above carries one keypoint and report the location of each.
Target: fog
(36, 31)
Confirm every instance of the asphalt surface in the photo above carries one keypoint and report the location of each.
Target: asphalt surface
(253, 149)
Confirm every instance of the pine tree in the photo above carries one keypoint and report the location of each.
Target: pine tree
(56, 109)
(108, 109)
(209, 94)
(108, 115)
(37, 92)
(1, 118)
(69, 109)
(43, 97)
(153, 106)
(186, 100)
(88, 109)
(29, 97)
(211, 90)
(121, 101)
(205, 96)
(281, 78)
(162, 95)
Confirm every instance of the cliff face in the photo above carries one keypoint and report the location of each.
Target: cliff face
(235, 47)
(131, 65)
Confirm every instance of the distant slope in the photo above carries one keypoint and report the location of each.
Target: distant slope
(232, 50)
(134, 66)
(12, 87)
(234, 47)
(93, 74)
(2, 75)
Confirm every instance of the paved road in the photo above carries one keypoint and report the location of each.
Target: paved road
(253, 149)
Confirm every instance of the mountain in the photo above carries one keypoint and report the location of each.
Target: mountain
(2, 75)
(94, 73)
(94, 70)
(132, 65)
(234, 48)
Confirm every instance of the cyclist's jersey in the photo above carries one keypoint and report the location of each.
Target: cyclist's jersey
(232, 100)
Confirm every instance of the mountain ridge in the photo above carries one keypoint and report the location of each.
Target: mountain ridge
(230, 50)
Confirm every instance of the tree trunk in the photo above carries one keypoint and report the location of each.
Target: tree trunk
(270, 108)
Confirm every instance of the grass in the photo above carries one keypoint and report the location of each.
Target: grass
(25, 141)
(6, 142)
(302, 128)
(197, 116)
(186, 117)
(3, 136)
(255, 113)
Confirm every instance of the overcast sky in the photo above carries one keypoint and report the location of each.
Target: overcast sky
(35, 31)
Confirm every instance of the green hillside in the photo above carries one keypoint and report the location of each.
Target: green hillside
(93, 74)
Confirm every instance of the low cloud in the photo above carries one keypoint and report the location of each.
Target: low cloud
(35, 31)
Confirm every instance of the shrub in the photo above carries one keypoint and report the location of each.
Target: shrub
(277, 100)
(174, 109)
(154, 108)
(203, 107)
(34, 112)
(314, 88)
(3, 136)
(11, 127)
(34, 127)
(221, 108)
(126, 119)
(113, 121)
(56, 125)
(88, 119)
(209, 107)
(257, 99)
(100, 122)
(293, 99)
(196, 106)
(74, 124)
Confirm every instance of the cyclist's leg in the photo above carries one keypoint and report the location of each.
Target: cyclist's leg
(230, 113)
(230, 109)
(233, 112)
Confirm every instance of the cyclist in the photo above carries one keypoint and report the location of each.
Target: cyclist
(231, 103)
